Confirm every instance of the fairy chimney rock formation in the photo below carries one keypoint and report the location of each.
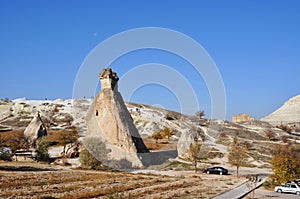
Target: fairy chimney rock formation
(109, 119)
(35, 130)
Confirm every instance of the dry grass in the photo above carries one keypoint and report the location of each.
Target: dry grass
(163, 144)
(12, 134)
(52, 181)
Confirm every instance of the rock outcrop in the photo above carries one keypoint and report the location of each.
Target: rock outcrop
(109, 120)
(186, 139)
(288, 113)
(242, 118)
(35, 130)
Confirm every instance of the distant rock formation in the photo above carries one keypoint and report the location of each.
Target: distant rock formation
(35, 130)
(288, 113)
(109, 119)
(242, 118)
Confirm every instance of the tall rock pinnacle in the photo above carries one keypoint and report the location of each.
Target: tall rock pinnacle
(109, 119)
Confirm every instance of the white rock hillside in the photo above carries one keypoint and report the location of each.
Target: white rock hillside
(288, 113)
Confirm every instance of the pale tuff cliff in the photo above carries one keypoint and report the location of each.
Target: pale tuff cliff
(288, 113)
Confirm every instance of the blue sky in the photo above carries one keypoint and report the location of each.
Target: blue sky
(255, 44)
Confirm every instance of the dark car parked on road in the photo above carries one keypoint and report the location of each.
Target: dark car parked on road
(216, 170)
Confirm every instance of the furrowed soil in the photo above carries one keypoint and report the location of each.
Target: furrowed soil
(34, 180)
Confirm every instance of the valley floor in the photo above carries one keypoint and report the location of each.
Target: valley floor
(33, 180)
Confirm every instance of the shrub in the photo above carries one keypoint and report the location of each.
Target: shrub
(6, 154)
(42, 154)
(157, 135)
(96, 155)
(88, 161)
(270, 134)
(166, 132)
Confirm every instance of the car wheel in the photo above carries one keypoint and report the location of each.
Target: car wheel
(298, 192)
(279, 190)
(221, 173)
(207, 172)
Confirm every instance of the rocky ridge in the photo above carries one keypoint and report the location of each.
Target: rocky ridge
(62, 114)
(288, 113)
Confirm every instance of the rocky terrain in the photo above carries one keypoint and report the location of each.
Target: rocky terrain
(173, 179)
(63, 114)
(288, 113)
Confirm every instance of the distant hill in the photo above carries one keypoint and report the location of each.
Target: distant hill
(288, 113)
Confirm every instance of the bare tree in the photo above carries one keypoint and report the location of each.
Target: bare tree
(270, 134)
(195, 152)
(200, 114)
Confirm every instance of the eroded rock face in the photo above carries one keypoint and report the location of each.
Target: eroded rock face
(242, 118)
(35, 130)
(109, 119)
(187, 138)
(288, 113)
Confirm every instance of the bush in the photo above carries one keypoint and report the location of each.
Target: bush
(6, 154)
(166, 132)
(88, 161)
(157, 135)
(42, 154)
(96, 155)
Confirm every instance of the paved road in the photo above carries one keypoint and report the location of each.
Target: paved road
(263, 193)
(243, 189)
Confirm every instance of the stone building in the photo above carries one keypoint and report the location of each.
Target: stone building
(242, 118)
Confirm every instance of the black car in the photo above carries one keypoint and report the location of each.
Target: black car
(216, 170)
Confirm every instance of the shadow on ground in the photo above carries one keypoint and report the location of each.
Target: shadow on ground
(157, 158)
(24, 168)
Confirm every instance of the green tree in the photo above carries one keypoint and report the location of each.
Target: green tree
(42, 154)
(237, 156)
(157, 135)
(285, 164)
(167, 132)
